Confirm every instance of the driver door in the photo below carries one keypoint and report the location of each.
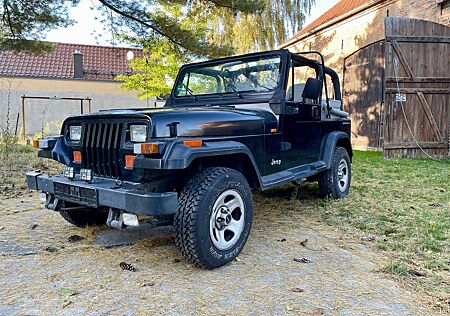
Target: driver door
(302, 127)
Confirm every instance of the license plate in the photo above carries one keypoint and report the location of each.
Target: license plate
(76, 194)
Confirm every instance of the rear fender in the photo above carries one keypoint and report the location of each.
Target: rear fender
(330, 142)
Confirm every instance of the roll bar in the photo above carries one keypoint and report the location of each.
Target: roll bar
(335, 80)
(324, 70)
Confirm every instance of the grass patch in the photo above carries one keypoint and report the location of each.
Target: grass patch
(405, 204)
(396, 267)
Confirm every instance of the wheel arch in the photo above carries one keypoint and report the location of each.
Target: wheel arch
(230, 154)
(240, 162)
(345, 142)
(330, 142)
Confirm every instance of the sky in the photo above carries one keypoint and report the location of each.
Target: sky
(86, 27)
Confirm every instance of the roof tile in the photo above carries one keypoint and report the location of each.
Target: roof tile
(99, 62)
(339, 9)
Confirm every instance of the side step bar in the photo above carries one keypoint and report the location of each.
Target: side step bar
(292, 174)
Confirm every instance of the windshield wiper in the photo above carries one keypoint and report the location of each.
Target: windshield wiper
(189, 91)
(230, 85)
(235, 91)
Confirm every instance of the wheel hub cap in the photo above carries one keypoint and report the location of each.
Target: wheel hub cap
(227, 219)
(223, 218)
(342, 175)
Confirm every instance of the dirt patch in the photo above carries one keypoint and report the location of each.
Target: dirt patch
(340, 276)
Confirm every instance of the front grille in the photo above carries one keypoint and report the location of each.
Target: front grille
(101, 148)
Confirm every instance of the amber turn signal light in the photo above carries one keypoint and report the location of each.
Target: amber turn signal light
(77, 156)
(146, 148)
(36, 143)
(129, 161)
(193, 142)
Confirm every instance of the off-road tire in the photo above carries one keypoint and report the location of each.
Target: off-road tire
(192, 221)
(85, 218)
(328, 180)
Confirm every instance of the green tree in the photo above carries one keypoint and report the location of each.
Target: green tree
(24, 22)
(261, 30)
(156, 71)
(211, 28)
(176, 31)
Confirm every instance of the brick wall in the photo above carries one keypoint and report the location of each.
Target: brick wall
(343, 38)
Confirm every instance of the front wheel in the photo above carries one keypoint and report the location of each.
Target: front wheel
(335, 182)
(214, 217)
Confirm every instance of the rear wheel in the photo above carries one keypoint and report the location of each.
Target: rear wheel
(214, 217)
(85, 217)
(335, 182)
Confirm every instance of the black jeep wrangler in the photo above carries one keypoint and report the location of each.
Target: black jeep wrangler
(230, 126)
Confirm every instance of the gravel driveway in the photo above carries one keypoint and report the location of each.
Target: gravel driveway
(42, 273)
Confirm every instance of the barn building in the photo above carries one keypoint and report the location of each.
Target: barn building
(393, 59)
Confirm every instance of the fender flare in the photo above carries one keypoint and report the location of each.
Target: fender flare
(58, 150)
(180, 156)
(329, 143)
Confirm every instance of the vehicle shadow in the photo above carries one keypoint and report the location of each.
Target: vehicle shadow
(276, 203)
(309, 192)
(287, 203)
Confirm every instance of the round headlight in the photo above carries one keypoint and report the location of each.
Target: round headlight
(138, 133)
(75, 132)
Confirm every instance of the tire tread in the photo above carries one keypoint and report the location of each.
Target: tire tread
(185, 220)
(327, 187)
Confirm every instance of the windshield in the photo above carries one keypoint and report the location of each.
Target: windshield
(260, 74)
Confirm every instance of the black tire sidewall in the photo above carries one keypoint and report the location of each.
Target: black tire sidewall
(213, 256)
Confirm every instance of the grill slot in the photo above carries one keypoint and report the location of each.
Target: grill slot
(101, 148)
(97, 149)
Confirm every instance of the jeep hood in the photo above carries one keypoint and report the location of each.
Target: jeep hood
(199, 121)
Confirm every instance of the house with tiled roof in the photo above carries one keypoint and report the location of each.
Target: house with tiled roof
(350, 18)
(366, 42)
(68, 71)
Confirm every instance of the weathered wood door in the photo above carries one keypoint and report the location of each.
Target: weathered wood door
(417, 93)
(363, 94)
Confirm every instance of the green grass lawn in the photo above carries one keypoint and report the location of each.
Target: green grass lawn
(405, 204)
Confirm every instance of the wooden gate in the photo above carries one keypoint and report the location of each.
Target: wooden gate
(363, 94)
(417, 93)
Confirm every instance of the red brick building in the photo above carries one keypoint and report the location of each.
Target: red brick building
(363, 40)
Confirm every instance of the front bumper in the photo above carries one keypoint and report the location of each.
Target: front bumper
(105, 192)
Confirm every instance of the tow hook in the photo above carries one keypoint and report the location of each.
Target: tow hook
(53, 203)
(115, 219)
(118, 219)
